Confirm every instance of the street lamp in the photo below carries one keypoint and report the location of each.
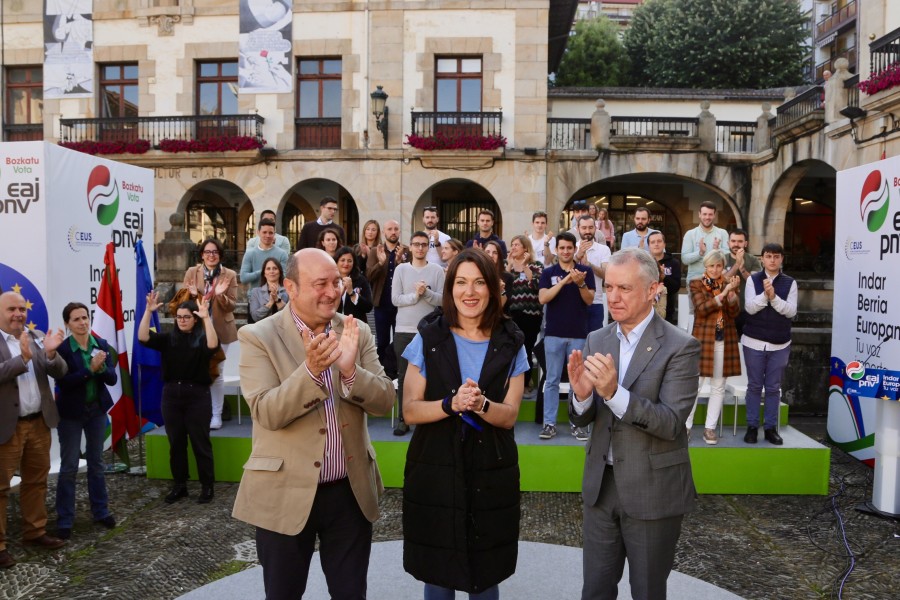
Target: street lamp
(380, 111)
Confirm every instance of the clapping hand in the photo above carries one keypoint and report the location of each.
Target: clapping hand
(768, 288)
(468, 397)
(97, 361)
(321, 350)
(222, 287)
(347, 284)
(192, 289)
(363, 250)
(716, 243)
(702, 247)
(421, 286)
(202, 311)
(577, 277)
(348, 347)
(382, 254)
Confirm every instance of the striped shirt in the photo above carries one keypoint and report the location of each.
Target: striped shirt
(333, 466)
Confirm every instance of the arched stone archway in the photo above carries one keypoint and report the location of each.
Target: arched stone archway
(458, 202)
(211, 208)
(301, 204)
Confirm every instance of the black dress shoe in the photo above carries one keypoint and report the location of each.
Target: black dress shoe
(64, 533)
(178, 492)
(108, 521)
(751, 435)
(206, 495)
(401, 428)
(6, 559)
(773, 438)
(46, 541)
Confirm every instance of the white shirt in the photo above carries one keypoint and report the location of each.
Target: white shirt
(753, 303)
(434, 250)
(29, 393)
(539, 248)
(598, 255)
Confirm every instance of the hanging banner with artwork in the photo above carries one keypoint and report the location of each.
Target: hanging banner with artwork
(68, 49)
(265, 46)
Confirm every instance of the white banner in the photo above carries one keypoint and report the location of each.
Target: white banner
(68, 49)
(265, 48)
(59, 208)
(865, 346)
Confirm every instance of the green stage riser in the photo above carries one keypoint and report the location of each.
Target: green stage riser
(548, 468)
(527, 410)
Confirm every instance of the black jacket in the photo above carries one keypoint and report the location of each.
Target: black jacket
(73, 386)
(461, 486)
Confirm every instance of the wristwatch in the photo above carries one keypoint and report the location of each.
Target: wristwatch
(484, 407)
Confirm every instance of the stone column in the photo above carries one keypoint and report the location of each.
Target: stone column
(763, 137)
(600, 125)
(173, 257)
(835, 92)
(706, 128)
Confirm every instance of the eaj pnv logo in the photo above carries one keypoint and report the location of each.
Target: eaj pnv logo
(874, 201)
(102, 195)
(855, 370)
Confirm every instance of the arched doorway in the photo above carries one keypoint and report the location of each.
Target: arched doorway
(211, 210)
(458, 202)
(301, 205)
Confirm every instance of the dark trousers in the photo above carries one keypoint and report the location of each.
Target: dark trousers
(345, 541)
(610, 535)
(531, 327)
(401, 341)
(385, 320)
(187, 409)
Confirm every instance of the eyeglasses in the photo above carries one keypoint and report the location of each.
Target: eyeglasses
(184, 317)
(419, 244)
(210, 252)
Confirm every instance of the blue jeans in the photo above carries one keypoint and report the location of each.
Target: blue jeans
(595, 317)
(434, 592)
(557, 351)
(764, 370)
(69, 432)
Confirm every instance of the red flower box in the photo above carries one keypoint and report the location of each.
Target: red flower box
(440, 141)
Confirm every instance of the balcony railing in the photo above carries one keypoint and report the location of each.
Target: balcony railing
(317, 133)
(848, 53)
(884, 52)
(836, 19)
(156, 129)
(805, 104)
(852, 86)
(654, 126)
(735, 136)
(32, 132)
(568, 134)
(456, 124)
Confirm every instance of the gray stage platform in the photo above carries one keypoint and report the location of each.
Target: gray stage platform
(544, 572)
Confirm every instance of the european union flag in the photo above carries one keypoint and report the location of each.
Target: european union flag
(146, 369)
(14, 281)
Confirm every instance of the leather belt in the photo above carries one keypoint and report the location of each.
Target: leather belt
(31, 417)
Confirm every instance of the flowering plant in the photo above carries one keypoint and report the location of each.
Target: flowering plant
(220, 144)
(882, 80)
(114, 147)
(440, 141)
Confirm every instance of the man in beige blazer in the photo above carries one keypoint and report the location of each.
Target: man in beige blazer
(27, 412)
(311, 376)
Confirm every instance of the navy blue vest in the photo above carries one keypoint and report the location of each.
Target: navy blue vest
(768, 325)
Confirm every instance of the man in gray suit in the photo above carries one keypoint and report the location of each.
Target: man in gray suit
(635, 380)
(27, 412)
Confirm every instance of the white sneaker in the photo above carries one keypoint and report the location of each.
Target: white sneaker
(216, 422)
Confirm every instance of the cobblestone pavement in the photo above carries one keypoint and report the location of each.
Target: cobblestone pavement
(766, 547)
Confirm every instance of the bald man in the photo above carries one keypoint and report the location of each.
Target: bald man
(380, 267)
(27, 412)
(311, 377)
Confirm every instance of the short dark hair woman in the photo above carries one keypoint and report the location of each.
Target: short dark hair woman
(83, 402)
(186, 402)
(356, 296)
(271, 296)
(462, 391)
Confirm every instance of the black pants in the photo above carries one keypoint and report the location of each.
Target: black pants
(401, 341)
(345, 542)
(187, 409)
(385, 320)
(531, 327)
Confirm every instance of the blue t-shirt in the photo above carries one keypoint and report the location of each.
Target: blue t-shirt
(470, 354)
(567, 314)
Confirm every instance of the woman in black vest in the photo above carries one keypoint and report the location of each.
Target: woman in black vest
(462, 390)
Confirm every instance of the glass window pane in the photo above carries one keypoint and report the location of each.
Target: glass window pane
(230, 69)
(36, 75)
(130, 100)
(471, 65)
(111, 103)
(309, 99)
(471, 95)
(18, 104)
(446, 96)
(131, 72)
(16, 75)
(209, 69)
(447, 65)
(111, 72)
(331, 98)
(309, 67)
(229, 98)
(208, 103)
(332, 67)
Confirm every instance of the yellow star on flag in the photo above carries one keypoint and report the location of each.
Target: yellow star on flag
(28, 305)
(885, 397)
(17, 288)
(32, 325)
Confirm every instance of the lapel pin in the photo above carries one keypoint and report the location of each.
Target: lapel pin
(649, 348)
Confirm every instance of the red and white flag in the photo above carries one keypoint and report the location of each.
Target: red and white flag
(109, 323)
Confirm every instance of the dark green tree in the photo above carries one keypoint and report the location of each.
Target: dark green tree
(716, 44)
(594, 56)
